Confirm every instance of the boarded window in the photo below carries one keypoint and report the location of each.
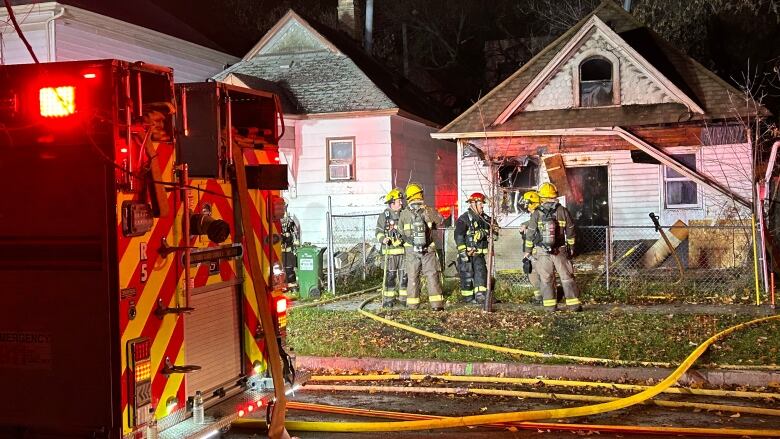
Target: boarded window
(679, 191)
(596, 83)
(341, 159)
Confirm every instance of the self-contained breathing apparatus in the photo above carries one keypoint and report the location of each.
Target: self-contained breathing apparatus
(420, 231)
(549, 236)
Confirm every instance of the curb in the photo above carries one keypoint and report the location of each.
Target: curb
(710, 377)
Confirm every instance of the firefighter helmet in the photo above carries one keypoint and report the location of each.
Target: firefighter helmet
(414, 192)
(530, 201)
(394, 194)
(477, 196)
(548, 190)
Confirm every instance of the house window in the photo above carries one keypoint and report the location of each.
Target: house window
(516, 177)
(679, 191)
(596, 88)
(341, 159)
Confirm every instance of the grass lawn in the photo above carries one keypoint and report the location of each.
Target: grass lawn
(617, 335)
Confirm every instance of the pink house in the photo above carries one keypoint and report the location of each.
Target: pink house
(353, 129)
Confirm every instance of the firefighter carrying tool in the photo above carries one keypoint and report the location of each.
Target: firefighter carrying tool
(135, 221)
(417, 222)
(472, 236)
(389, 236)
(551, 232)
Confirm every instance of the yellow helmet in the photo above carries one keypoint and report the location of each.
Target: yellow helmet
(414, 192)
(394, 194)
(548, 190)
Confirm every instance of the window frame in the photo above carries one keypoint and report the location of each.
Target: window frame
(587, 56)
(666, 179)
(328, 161)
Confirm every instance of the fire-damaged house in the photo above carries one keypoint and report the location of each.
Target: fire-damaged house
(623, 123)
(353, 129)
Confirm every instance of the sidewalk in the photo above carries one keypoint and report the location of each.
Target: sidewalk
(707, 377)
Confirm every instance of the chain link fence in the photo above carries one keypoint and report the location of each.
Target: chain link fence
(634, 264)
(621, 264)
(356, 254)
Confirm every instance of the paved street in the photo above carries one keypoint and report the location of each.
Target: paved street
(464, 405)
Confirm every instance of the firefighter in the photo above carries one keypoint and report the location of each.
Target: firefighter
(291, 236)
(417, 222)
(551, 234)
(472, 231)
(389, 236)
(529, 204)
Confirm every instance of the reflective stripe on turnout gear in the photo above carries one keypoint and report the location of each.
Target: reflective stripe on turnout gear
(435, 298)
(393, 251)
(574, 301)
(412, 300)
(466, 292)
(550, 302)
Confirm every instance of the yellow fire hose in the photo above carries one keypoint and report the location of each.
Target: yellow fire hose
(546, 382)
(532, 415)
(596, 428)
(521, 352)
(333, 299)
(502, 348)
(541, 395)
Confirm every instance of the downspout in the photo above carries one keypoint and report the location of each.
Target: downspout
(459, 161)
(50, 30)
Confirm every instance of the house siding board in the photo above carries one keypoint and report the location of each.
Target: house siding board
(15, 52)
(364, 195)
(418, 158)
(79, 41)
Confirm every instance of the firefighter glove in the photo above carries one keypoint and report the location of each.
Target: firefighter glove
(527, 265)
(463, 257)
(570, 251)
(386, 240)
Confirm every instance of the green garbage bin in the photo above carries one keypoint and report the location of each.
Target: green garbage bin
(309, 270)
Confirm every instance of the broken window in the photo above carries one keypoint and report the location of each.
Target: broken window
(596, 82)
(517, 176)
(680, 192)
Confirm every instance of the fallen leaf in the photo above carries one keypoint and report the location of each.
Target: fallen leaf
(735, 415)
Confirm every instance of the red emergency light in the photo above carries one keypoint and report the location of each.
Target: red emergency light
(57, 101)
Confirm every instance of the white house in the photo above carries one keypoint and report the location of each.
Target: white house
(353, 130)
(138, 30)
(623, 123)
(632, 121)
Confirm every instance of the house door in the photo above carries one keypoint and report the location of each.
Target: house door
(589, 205)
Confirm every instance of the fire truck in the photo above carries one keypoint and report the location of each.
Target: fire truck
(139, 252)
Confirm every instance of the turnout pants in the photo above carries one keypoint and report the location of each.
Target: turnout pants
(473, 278)
(395, 278)
(428, 265)
(290, 262)
(533, 277)
(546, 265)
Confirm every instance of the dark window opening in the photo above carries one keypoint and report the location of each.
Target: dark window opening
(596, 83)
(515, 178)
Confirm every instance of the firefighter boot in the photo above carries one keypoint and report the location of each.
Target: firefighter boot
(388, 302)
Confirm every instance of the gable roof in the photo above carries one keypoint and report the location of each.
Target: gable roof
(327, 72)
(691, 84)
(144, 13)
